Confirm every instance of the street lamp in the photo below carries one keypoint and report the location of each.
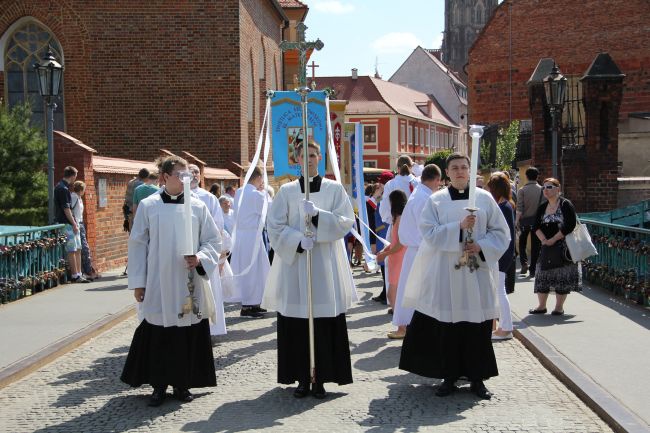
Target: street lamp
(49, 84)
(554, 90)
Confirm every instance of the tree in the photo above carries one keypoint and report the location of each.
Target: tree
(23, 180)
(439, 158)
(507, 146)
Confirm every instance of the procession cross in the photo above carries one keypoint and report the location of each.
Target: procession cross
(302, 46)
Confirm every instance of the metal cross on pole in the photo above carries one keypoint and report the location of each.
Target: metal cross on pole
(303, 47)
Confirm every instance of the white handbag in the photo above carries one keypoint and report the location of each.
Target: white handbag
(579, 243)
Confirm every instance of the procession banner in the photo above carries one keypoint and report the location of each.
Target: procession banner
(354, 135)
(287, 130)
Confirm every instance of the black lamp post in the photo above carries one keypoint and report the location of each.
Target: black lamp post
(49, 74)
(555, 90)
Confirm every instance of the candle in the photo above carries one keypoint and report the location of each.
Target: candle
(187, 216)
(475, 131)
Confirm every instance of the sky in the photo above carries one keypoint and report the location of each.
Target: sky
(364, 33)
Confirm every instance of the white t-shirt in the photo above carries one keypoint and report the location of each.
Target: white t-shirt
(77, 206)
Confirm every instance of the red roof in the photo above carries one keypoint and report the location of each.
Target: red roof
(290, 4)
(369, 95)
(105, 164)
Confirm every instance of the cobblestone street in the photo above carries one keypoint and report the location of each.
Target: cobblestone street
(81, 391)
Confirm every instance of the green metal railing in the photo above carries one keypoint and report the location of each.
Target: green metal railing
(623, 261)
(636, 215)
(32, 259)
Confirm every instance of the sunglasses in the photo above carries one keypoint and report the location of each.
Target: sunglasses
(549, 186)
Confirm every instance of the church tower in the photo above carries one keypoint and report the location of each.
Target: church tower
(464, 19)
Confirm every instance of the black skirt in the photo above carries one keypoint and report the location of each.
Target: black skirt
(176, 356)
(331, 345)
(448, 350)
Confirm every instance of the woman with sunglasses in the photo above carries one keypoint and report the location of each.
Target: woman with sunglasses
(555, 270)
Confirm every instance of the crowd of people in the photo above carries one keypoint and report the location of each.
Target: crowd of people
(447, 272)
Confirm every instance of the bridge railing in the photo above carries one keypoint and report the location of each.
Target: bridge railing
(32, 259)
(623, 261)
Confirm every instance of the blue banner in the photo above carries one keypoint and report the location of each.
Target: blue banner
(358, 191)
(287, 129)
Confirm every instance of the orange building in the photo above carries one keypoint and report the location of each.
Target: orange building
(396, 120)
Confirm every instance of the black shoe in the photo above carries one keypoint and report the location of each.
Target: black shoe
(301, 390)
(259, 309)
(157, 397)
(318, 391)
(446, 388)
(381, 299)
(537, 311)
(524, 269)
(249, 312)
(480, 390)
(183, 395)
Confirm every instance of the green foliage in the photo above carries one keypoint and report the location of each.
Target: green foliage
(439, 158)
(24, 216)
(23, 152)
(507, 146)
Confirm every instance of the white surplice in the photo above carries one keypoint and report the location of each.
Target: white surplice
(410, 237)
(156, 260)
(212, 203)
(434, 286)
(249, 262)
(332, 283)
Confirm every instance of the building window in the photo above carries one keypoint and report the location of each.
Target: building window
(370, 164)
(251, 93)
(369, 134)
(26, 46)
(402, 133)
(422, 137)
(410, 129)
(416, 138)
(273, 85)
(432, 137)
(261, 63)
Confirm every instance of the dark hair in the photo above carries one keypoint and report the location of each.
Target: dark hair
(532, 173)
(257, 172)
(230, 188)
(143, 173)
(430, 172)
(153, 175)
(404, 164)
(457, 155)
(168, 163)
(215, 189)
(69, 171)
(370, 189)
(552, 180)
(397, 200)
(499, 187)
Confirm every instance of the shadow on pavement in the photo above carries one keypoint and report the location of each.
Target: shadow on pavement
(544, 320)
(107, 288)
(368, 346)
(383, 360)
(415, 403)
(236, 355)
(370, 321)
(101, 378)
(258, 413)
(119, 414)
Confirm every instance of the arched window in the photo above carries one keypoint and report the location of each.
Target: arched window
(261, 62)
(273, 85)
(25, 46)
(479, 13)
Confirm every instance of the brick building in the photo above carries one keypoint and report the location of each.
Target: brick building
(502, 65)
(396, 120)
(140, 76)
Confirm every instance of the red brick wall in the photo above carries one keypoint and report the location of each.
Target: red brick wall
(144, 75)
(571, 32)
(111, 241)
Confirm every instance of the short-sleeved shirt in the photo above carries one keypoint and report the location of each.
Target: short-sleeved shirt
(62, 200)
(130, 189)
(143, 191)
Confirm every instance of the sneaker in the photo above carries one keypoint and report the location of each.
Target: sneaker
(80, 280)
(499, 337)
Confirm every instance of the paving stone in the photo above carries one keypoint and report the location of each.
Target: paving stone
(81, 391)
